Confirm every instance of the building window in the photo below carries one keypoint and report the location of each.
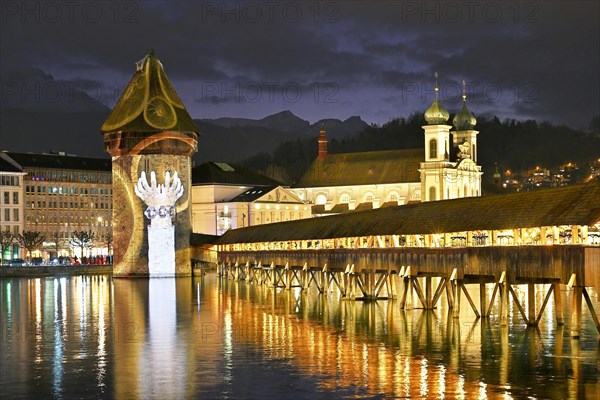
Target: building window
(368, 197)
(345, 198)
(6, 198)
(433, 148)
(321, 199)
(393, 196)
(473, 154)
(466, 191)
(15, 197)
(432, 194)
(7, 215)
(15, 214)
(416, 196)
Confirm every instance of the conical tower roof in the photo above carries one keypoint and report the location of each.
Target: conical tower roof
(149, 103)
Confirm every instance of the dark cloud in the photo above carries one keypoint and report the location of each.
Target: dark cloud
(379, 56)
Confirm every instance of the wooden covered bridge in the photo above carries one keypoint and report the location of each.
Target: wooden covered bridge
(548, 237)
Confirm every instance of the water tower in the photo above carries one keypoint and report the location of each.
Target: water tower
(148, 130)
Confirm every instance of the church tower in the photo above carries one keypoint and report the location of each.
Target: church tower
(464, 122)
(437, 157)
(465, 140)
(149, 129)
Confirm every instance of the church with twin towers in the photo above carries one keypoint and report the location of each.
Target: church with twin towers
(445, 168)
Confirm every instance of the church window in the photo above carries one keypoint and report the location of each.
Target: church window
(433, 148)
(321, 199)
(368, 197)
(345, 198)
(393, 196)
(466, 191)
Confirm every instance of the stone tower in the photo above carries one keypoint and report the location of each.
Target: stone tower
(148, 130)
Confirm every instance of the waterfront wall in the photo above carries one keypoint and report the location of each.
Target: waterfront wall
(52, 270)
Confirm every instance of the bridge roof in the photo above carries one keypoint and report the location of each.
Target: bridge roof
(569, 205)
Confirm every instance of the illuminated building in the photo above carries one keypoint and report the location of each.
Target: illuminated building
(226, 196)
(12, 203)
(336, 183)
(149, 129)
(64, 194)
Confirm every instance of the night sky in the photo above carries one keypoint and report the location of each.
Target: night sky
(332, 59)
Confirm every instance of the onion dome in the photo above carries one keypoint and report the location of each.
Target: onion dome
(464, 120)
(497, 174)
(436, 114)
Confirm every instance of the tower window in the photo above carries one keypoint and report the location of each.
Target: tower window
(433, 148)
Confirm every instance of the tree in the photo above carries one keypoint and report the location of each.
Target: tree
(31, 240)
(6, 240)
(83, 240)
(58, 241)
(106, 240)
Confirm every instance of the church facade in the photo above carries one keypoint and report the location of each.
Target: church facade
(336, 183)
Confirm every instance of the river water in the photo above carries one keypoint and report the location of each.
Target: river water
(99, 337)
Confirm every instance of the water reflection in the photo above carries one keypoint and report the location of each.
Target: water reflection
(181, 338)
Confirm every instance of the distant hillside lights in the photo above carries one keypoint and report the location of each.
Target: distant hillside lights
(542, 177)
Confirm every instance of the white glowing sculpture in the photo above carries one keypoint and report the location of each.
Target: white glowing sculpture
(161, 201)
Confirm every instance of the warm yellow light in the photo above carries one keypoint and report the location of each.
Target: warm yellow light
(257, 206)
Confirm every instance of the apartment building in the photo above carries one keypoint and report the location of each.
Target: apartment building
(63, 194)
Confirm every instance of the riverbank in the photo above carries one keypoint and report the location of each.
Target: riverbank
(54, 270)
(198, 269)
